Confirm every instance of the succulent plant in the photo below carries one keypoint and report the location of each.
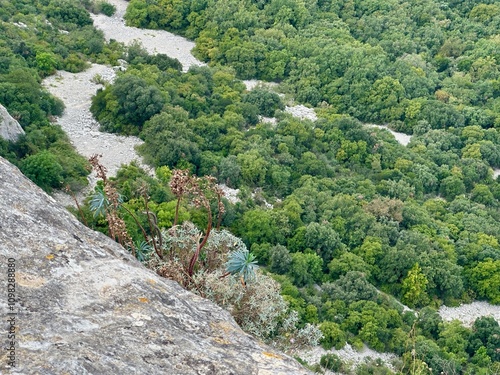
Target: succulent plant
(242, 262)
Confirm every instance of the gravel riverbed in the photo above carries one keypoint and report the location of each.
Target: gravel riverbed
(154, 41)
(469, 312)
(76, 91)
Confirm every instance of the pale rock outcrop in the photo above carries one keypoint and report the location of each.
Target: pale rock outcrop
(10, 129)
(85, 306)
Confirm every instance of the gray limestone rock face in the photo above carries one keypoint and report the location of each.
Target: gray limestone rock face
(84, 305)
(10, 129)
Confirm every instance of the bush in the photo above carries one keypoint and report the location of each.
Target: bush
(44, 170)
(138, 101)
(281, 260)
(333, 336)
(99, 6)
(66, 12)
(331, 362)
(258, 308)
(376, 367)
(106, 8)
(164, 62)
(267, 102)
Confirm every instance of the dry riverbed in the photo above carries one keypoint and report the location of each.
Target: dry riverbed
(76, 91)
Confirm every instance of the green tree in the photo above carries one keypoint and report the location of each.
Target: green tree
(44, 170)
(485, 334)
(253, 167)
(348, 262)
(256, 226)
(429, 322)
(266, 101)
(165, 214)
(67, 13)
(323, 240)
(454, 337)
(306, 268)
(384, 100)
(485, 279)
(168, 139)
(482, 194)
(414, 287)
(451, 187)
(370, 250)
(441, 115)
(333, 336)
(230, 171)
(138, 101)
(46, 63)
(351, 287)
(280, 259)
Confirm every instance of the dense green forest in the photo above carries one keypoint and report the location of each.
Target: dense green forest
(383, 61)
(349, 222)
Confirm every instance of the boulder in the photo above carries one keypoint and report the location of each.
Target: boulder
(10, 129)
(84, 305)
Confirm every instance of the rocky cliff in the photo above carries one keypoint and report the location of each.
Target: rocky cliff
(10, 129)
(83, 305)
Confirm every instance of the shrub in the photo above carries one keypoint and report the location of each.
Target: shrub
(66, 12)
(44, 170)
(106, 8)
(100, 6)
(376, 367)
(258, 307)
(333, 336)
(267, 102)
(331, 362)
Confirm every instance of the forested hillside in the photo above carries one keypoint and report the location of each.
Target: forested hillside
(414, 64)
(351, 223)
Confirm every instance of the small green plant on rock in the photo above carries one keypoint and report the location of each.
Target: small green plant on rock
(107, 202)
(242, 262)
(331, 362)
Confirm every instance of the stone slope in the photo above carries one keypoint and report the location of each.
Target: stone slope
(86, 306)
(10, 130)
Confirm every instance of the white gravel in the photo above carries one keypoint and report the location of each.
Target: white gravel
(402, 138)
(230, 194)
(155, 41)
(76, 91)
(302, 112)
(253, 83)
(268, 120)
(347, 354)
(468, 313)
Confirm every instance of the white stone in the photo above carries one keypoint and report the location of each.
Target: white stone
(10, 130)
